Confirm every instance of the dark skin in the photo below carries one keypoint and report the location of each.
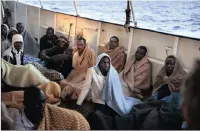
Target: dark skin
(139, 54)
(104, 65)
(20, 28)
(81, 46)
(169, 66)
(34, 106)
(62, 43)
(3, 31)
(49, 33)
(113, 43)
(18, 45)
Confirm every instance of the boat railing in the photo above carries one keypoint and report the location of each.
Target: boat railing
(159, 44)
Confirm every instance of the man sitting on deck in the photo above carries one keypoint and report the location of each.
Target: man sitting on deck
(83, 58)
(103, 83)
(48, 41)
(59, 57)
(31, 46)
(4, 41)
(135, 78)
(14, 54)
(169, 79)
(39, 115)
(116, 53)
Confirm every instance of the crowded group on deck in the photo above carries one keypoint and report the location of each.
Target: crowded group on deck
(52, 86)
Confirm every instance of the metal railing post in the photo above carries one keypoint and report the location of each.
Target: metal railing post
(76, 8)
(133, 14)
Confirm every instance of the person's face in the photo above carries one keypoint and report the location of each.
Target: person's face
(62, 43)
(139, 54)
(169, 65)
(20, 28)
(3, 31)
(104, 64)
(113, 43)
(49, 33)
(18, 45)
(81, 45)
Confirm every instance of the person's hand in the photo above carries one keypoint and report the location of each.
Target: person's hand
(42, 57)
(76, 94)
(166, 79)
(174, 89)
(64, 94)
(47, 57)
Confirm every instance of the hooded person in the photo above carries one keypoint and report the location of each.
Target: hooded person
(116, 52)
(135, 78)
(102, 81)
(169, 79)
(31, 47)
(14, 54)
(4, 42)
(4, 32)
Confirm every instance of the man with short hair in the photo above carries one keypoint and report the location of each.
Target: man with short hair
(31, 46)
(83, 58)
(116, 52)
(39, 115)
(31, 116)
(191, 99)
(49, 40)
(136, 76)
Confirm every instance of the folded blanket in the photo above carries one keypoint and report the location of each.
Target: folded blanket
(56, 118)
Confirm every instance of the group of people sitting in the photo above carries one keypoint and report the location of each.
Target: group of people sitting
(119, 90)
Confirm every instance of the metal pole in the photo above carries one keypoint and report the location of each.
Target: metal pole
(133, 14)
(76, 7)
(41, 4)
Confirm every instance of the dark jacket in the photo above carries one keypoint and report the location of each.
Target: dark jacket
(13, 60)
(46, 43)
(60, 59)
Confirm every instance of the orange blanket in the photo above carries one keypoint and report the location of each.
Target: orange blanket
(77, 76)
(14, 99)
(135, 78)
(117, 55)
(174, 81)
(56, 118)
